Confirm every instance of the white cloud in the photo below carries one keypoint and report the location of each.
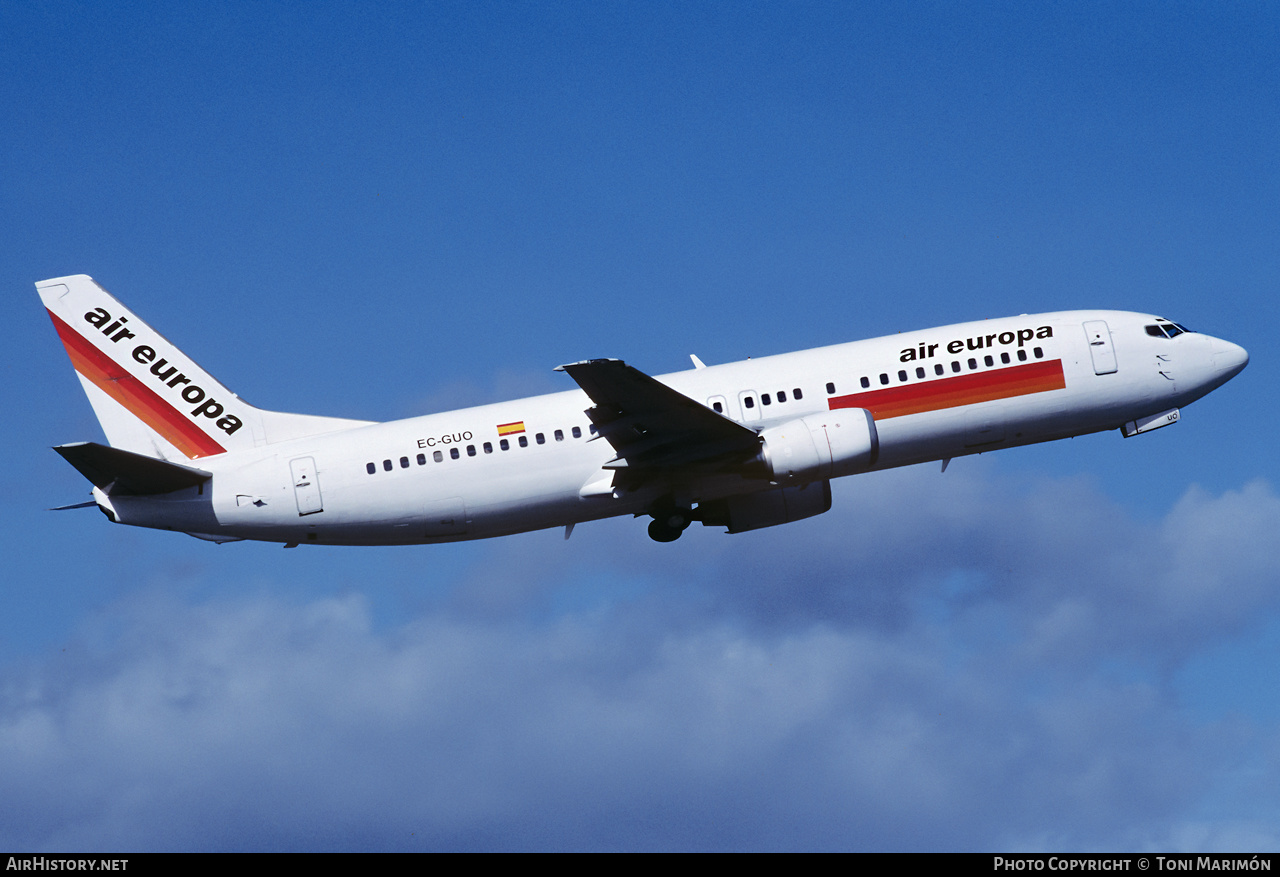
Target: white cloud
(956, 663)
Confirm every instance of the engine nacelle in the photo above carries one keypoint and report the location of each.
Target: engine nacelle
(819, 446)
(768, 508)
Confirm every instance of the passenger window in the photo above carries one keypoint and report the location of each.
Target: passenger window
(1004, 357)
(577, 430)
(938, 369)
(1038, 353)
(559, 435)
(748, 402)
(765, 400)
(542, 439)
(717, 407)
(488, 447)
(422, 459)
(884, 378)
(592, 429)
(1022, 356)
(438, 456)
(988, 360)
(370, 468)
(919, 372)
(955, 366)
(453, 454)
(902, 376)
(866, 382)
(796, 394)
(404, 462)
(831, 388)
(503, 444)
(386, 464)
(471, 450)
(524, 441)
(782, 395)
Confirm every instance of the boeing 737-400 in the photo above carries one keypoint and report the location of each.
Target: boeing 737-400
(742, 445)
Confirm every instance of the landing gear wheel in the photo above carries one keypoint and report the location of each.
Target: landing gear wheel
(668, 524)
(661, 531)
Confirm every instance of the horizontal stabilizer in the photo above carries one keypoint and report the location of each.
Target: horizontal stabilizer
(117, 471)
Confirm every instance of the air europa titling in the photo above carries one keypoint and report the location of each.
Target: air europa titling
(164, 372)
(977, 342)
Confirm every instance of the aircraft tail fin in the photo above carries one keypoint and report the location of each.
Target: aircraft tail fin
(150, 398)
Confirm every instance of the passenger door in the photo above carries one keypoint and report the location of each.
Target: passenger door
(1100, 347)
(306, 489)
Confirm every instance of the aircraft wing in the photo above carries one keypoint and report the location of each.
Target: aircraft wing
(651, 426)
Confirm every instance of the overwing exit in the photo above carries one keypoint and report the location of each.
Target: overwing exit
(742, 445)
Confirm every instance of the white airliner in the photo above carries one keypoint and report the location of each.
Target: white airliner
(742, 445)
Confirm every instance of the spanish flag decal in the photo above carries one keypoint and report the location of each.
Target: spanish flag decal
(510, 428)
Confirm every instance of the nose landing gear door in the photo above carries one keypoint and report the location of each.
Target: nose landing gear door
(306, 489)
(1100, 347)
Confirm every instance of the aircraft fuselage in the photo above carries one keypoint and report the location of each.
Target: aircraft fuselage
(537, 462)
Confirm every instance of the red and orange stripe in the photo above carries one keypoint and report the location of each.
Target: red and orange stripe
(935, 395)
(114, 380)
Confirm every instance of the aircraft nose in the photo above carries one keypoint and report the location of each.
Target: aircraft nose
(1229, 358)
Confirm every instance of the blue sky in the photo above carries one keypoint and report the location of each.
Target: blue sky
(379, 210)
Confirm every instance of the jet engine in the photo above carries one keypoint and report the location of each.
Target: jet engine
(768, 508)
(820, 446)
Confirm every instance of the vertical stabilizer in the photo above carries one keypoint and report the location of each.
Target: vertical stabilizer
(150, 397)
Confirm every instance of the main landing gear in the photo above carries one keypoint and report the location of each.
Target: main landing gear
(668, 524)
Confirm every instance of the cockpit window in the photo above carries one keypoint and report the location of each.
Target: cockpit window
(1166, 329)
